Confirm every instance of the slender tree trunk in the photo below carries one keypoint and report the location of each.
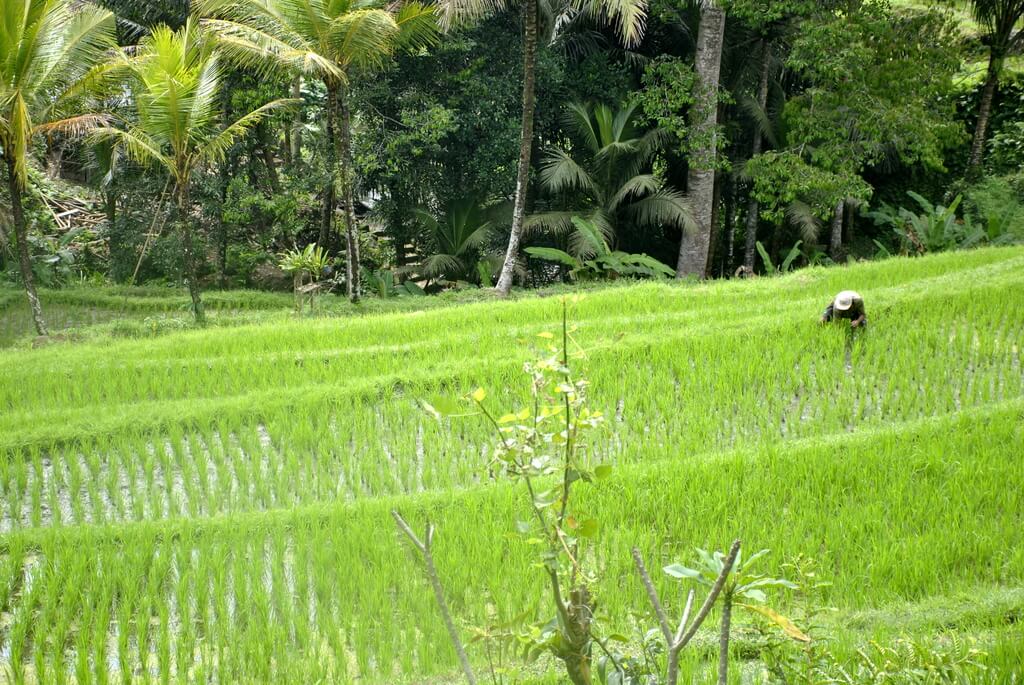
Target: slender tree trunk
(110, 210)
(525, 147)
(694, 247)
(723, 642)
(21, 238)
(715, 242)
(267, 152)
(222, 249)
(189, 248)
(835, 243)
(730, 229)
(298, 123)
(753, 207)
(351, 237)
(984, 112)
(331, 161)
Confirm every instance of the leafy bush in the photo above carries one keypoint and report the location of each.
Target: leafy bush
(934, 229)
(384, 284)
(996, 203)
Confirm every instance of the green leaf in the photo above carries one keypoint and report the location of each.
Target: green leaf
(680, 571)
(553, 255)
(602, 471)
(588, 528)
(754, 594)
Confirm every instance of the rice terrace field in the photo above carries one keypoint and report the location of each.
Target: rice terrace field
(214, 505)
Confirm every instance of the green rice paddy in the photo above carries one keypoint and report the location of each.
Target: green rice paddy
(213, 505)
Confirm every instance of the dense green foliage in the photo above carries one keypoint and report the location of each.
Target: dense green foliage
(822, 105)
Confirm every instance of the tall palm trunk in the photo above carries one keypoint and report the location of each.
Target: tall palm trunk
(835, 243)
(525, 146)
(21, 238)
(694, 247)
(331, 162)
(295, 141)
(730, 230)
(753, 207)
(351, 238)
(984, 112)
(189, 248)
(266, 145)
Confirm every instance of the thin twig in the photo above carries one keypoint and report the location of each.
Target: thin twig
(435, 582)
(686, 615)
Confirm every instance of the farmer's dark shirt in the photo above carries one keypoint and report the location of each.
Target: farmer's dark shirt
(854, 312)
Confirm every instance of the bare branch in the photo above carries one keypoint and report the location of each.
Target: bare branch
(685, 617)
(435, 582)
(652, 594)
(404, 527)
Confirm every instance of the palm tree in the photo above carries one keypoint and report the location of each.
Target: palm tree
(609, 180)
(329, 41)
(628, 17)
(174, 78)
(457, 235)
(47, 50)
(999, 19)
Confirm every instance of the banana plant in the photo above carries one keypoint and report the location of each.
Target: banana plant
(787, 264)
(311, 262)
(744, 589)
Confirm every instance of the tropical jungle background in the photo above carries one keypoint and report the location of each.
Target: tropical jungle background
(417, 148)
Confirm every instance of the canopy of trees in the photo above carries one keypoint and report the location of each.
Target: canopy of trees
(459, 144)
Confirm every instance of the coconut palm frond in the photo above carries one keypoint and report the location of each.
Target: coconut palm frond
(363, 38)
(71, 47)
(556, 223)
(73, 126)
(135, 144)
(418, 26)
(589, 239)
(438, 265)
(801, 216)
(666, 207)
(760, 117)
(218, 146)
(629, 17)
(577, 118)
(634, 189)
(560, 172)
(454, 13)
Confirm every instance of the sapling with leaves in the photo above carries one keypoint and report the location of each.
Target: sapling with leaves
(676, 640)
(545, 447)
(740, 584)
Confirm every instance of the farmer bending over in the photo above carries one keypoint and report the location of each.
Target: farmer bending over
(849, 306)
